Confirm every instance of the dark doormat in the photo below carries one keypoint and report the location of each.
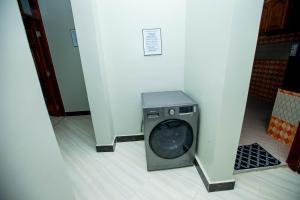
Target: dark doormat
(253, 156)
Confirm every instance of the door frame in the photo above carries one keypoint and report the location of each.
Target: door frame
(55, 94)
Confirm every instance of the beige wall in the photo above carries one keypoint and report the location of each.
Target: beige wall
(220, 47)
(31, 166)
(58, 21)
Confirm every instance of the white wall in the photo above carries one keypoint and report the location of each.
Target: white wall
(58, 21)
(220, 47)
(128, 71)
(31, 166)
(116, 71)
(114, 66)
(93, 70)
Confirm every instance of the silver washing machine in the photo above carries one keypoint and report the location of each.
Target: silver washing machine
(170, 122)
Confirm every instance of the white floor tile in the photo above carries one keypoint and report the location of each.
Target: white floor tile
(256, 121)
(122, 174)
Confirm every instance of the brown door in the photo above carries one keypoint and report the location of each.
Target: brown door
(294, 155)
(41, 55)
(263, 21)
(276, 16)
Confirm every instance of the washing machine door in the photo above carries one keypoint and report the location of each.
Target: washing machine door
(171, 138)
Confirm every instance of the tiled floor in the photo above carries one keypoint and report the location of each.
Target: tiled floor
(122, 174)
(255, 124)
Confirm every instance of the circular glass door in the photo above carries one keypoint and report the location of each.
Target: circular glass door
(171, 138)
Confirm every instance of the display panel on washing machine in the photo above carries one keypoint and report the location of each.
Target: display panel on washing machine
(186, 109)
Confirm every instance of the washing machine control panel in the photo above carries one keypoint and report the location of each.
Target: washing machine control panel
(186, 109)
(171, 112)
(152, 114)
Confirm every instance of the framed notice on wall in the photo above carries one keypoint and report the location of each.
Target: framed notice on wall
(152, 41)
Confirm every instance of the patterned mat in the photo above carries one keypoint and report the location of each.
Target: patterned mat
(253, 156)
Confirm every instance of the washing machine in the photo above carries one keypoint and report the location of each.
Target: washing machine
(170, 124)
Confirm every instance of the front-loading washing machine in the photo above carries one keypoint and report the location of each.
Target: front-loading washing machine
(170, 123)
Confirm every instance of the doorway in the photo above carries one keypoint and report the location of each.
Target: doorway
(274, 92)
(39, 47)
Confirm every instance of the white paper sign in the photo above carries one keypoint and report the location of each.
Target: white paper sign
(152, 41)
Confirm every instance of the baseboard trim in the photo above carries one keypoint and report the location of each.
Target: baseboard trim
(106, 148)
(77, 113)
(122, 138)
(213, 187)
(129, 138)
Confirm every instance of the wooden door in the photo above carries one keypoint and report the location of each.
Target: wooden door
(294, 155)
(41, 55)
(276, 15)
(263, 21)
